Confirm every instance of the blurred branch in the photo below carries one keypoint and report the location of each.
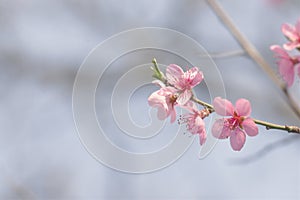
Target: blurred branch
(253, 52)
(18, 189)
(226, 54)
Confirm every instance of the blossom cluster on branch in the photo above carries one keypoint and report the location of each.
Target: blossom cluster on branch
(176, 90)
(176, 87)
(288, 64)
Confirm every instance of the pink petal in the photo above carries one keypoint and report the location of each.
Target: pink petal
(237, 139)
(161, 113)
(243, 107)
(202, 137)
(195, 75)
(289, 31)
(223, 107)
(298, 67)
(250, 127)
(219, 130)
(173, 116)
(155, 99)
(164, 91)
(174, 74)
(190, 106)
(199, 123)
(298, 27)
(286, 70)
(291, 45)
(279, 51)
(184, 97)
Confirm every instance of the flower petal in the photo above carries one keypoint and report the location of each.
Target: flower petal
(162, 113)
(298, 26)
(291, 45)
(280, 52)
(250, 127)
(237, 139)
(195, 75)
(286, 70)
(199, 123)
(174, 74)
(219, 130)
(173, 115)
(223, 107)
(184, 97)
(243, 107)
(202, 137)
(155, 99)
(289, 31)
(298, 67)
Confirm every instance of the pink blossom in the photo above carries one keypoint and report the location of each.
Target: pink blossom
(164, 100)
(236, 125)
(183, 81)
(276, 2)
(293, 34)
(286, 64)
(194, 122)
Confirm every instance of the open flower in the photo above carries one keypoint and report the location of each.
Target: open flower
(236, 125)
(286, 64)
(183, 81)
(164, 100)
(293, 35)
(194, 121)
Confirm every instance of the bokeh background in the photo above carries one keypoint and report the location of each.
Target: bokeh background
(42, 45)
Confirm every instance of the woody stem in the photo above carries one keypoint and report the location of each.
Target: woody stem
(268, 125)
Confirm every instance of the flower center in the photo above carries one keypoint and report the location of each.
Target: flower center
(294, 61)
(235, 121)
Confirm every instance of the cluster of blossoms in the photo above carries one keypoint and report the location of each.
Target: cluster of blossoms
(288, 64)
(176, 90)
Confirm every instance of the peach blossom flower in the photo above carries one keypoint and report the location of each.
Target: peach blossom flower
(183, 81)
(164, 100)
(194, 122)
(293, 35)
(286, 64)
(236, 125)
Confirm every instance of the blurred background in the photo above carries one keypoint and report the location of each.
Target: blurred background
(42, 45)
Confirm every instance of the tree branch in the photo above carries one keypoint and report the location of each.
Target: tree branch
(226, 54)
(268, 125)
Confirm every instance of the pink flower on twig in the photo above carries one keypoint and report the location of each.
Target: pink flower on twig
(236, 125)
(165, 101)
(286, 64)
(293, 35)
(194, 121)
(183, 81)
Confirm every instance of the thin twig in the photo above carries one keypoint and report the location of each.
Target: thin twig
(204, 104)
(226, 54)
(252, 51)
(290, 129)
(268, 125)
(210, 108)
